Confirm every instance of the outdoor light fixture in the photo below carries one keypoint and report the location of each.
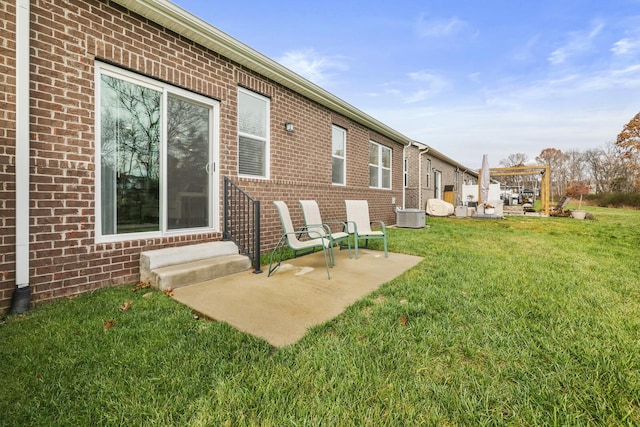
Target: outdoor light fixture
(288, 126)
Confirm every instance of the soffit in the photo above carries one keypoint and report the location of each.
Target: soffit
(180, 21)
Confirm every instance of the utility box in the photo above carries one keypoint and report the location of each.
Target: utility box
(410, 218)
(462, 211)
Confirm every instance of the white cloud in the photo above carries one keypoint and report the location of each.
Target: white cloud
(573, 111)
(626, 46)
(439, 27)
(418, 86)
(475, 77)
(526, 52)
(313, 66)
(578, 42)
(428, 84)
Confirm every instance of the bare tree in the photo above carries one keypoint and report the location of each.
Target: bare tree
(608, 169)
(554, 158)
(517, 159)
(575, 165)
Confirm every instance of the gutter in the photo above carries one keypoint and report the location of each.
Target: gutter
(424, 150)
(22, 294)
(184, 23)
(404, 187)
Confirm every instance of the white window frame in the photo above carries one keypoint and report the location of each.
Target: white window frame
(166, 90)
(343, 131)
(266, 139)
(427, 168)
(380, 168)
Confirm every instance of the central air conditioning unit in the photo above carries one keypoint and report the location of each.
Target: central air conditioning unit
(410, 218)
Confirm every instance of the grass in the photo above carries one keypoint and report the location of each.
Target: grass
(522, 321)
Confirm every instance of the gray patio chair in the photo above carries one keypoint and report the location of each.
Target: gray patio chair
(313, 222)
(291, 238)
(359, 224)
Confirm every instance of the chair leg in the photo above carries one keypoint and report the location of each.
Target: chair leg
(355, 240)
(326, 261)
(279, 247)
(349, 246)
(332, 255)
(341, 245)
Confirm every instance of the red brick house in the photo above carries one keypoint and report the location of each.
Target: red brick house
(120, 120)
(433, 175)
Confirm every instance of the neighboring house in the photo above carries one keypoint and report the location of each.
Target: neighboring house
(119, 121)
(432, 175)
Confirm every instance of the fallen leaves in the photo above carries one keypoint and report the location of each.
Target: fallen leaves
(126, 306)
(108, 325)
(403, 320)
(141, 285)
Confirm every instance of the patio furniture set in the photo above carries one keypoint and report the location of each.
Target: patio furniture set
(318, 234)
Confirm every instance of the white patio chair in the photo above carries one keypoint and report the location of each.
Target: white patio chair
(313, 222)
(291, 238)
(359, 224)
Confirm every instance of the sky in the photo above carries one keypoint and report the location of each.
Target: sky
(496, 77)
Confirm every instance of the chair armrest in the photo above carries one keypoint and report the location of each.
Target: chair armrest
(311, 233)
(328, 225)
(325, 227)
(381, 224)
(346, 226)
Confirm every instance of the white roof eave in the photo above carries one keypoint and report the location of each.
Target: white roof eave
(437, 154)
(186, 24)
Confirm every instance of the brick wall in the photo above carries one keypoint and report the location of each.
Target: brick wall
(417, 183)
(67, 38)
(7, 151)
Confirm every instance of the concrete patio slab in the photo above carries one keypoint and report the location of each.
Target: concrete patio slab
(281, 308)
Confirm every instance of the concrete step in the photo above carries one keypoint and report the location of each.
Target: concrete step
(186, 265)
(513, 210)
(189, 273)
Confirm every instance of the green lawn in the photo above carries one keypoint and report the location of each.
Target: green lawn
(522, 321)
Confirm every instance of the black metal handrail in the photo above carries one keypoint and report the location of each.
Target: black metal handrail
(241, 219)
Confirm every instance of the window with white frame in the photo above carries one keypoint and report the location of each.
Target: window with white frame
(156, 153)
(379, 166)
(427, 173)
(338, 155)
(253, 134)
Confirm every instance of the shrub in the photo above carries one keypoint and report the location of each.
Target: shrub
(618, 200)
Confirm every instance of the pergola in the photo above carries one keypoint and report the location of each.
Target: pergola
(545, 185)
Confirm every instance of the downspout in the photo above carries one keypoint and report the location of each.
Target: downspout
(422, 151)
(22, 294)
(464, 182)
(461, 190)
(404, 187)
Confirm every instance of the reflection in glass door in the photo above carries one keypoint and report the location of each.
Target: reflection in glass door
(188, 154)
(157, 155)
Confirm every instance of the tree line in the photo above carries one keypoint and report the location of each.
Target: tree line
(612, 168)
